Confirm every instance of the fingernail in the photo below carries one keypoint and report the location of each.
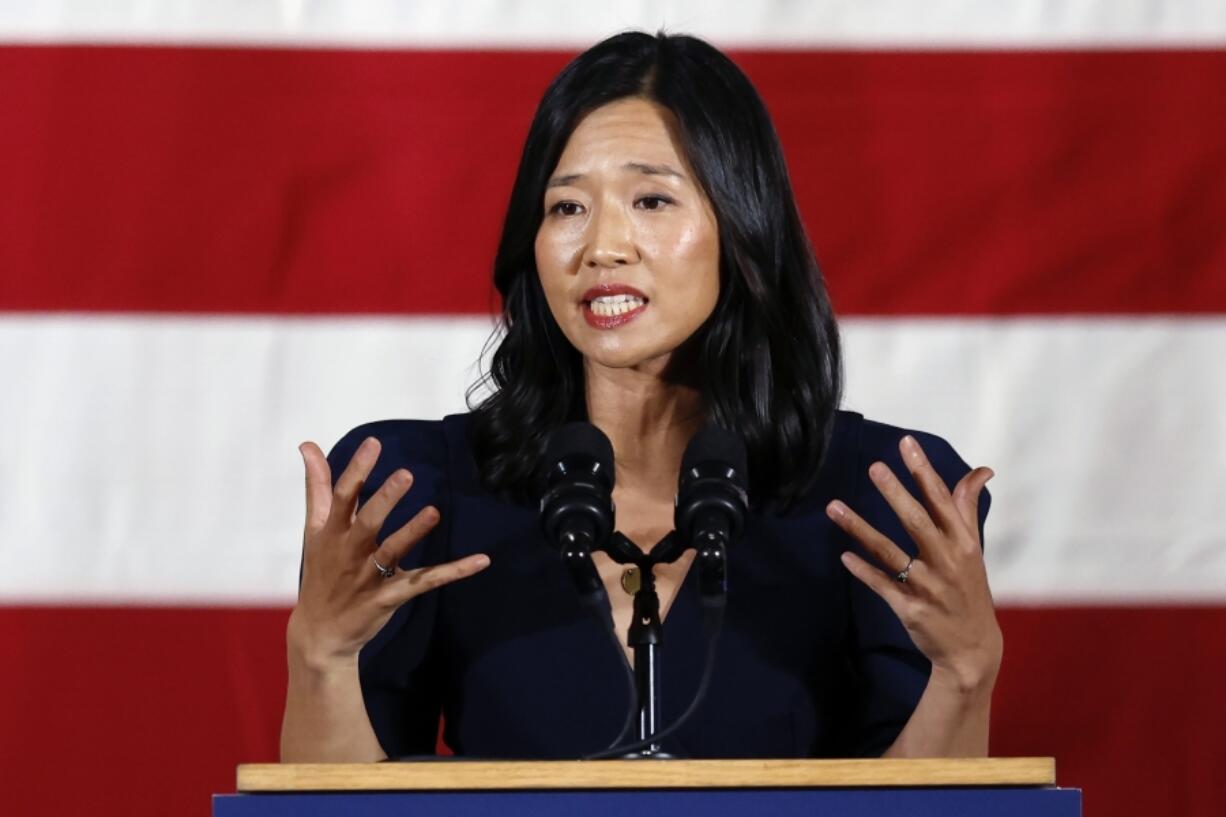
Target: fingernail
(912, 445)
(836, 510)
(845, 558)
(991, 474)
(877, 470)
(481, 560)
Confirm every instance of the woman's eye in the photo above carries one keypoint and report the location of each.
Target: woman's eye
(653, 202)
(566, 208)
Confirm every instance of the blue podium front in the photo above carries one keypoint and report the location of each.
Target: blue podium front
(945, 802)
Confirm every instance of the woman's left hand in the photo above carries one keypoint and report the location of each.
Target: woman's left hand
(942, 596)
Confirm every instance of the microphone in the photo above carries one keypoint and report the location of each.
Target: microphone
(711, 504)
(577, 502)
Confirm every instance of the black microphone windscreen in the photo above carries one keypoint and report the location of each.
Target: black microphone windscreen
(579, 438)
(714, 444)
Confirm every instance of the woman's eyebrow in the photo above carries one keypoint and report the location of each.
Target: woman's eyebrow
(641, 167)
(563, 181)
(653, 170)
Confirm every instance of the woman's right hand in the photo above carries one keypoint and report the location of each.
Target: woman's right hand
(343, 600)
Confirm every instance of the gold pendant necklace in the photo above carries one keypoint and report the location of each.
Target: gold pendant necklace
(631, 580)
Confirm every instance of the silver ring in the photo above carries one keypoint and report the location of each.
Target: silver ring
(901, 578)
(385, 572)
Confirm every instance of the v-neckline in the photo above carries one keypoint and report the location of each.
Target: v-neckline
(667, 609)
(676, 622)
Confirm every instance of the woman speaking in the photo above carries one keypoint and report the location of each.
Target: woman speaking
(655, 280)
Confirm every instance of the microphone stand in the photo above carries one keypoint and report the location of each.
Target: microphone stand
(646, 633)
(644, 639)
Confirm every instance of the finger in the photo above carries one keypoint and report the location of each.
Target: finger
(936, 493)
(398, 544)
(424, 579)
(878, 544)
(345, 495)
(966, 497)
(913, 516)
(370, 518)
(881, 584)
(318, 485)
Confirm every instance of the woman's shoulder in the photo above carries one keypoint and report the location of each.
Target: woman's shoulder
(857, 442)
(856, 435)
(427, 448)
(413, 439)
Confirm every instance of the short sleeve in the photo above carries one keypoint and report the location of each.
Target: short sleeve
(890, 673)
(398, 667)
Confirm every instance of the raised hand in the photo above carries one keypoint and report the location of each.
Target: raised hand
(344, 597)
(942, 596)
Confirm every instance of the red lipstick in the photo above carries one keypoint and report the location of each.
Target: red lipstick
(607, 321)
(611, 289)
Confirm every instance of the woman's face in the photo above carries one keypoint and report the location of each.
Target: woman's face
(628, 251)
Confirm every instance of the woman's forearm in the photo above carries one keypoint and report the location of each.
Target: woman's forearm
(325, 717)
(951, 719)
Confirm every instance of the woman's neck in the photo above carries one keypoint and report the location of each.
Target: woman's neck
(649, 419)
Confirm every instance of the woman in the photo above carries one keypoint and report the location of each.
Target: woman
(655, 277)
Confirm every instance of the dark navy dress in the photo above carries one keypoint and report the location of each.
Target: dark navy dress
(810, 662)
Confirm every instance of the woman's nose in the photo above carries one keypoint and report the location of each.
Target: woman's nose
(612, 240)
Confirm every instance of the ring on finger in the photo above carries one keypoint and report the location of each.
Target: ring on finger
(385, 572)
(902, 575)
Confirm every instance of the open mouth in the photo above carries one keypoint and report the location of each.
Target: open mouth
(609, 306)
(611, 311)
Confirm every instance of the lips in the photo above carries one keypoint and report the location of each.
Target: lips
(609, 306)
(612, 289)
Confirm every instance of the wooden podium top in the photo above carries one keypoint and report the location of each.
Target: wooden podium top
(441, 775)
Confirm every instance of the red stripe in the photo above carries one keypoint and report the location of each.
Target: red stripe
(1128, 700)
(135, 711)
(311, 181)
(149, 709)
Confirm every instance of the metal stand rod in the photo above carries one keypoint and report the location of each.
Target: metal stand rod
(649, 694)
(643, 638)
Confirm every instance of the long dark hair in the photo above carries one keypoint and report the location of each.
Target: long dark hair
(767, 359)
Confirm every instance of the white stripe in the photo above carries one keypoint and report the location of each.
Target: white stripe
(155, 459)
(149, 459)
(1107, 436)
(564, 23)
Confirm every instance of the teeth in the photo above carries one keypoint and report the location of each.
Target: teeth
(607, 306)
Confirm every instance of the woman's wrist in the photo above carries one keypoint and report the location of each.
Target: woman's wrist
(970, 682)
(316, 665)
(307, 655)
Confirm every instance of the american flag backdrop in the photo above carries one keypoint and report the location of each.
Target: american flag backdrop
(227, 227)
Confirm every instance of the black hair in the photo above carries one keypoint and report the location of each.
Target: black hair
(767, 360)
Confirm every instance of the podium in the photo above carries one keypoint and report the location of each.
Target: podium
(1000, 787)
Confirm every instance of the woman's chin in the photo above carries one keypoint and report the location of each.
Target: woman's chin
(626, 356)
